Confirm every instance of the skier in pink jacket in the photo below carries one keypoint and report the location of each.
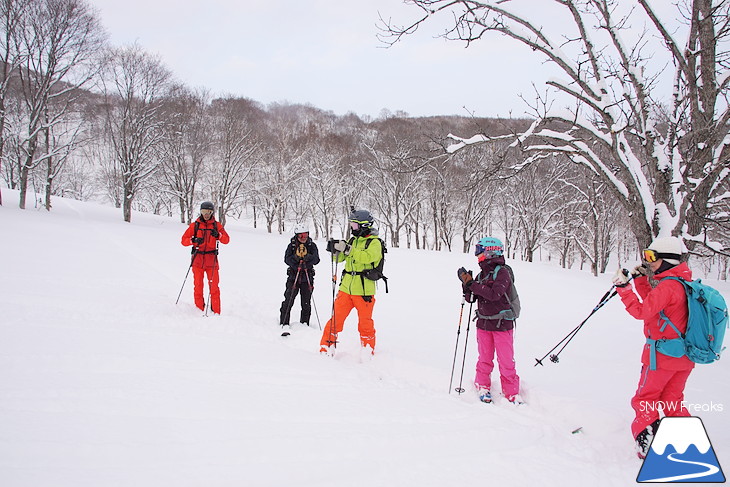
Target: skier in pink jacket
(663, 377)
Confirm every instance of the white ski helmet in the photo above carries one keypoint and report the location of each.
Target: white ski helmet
(667, 248)
(300, 228)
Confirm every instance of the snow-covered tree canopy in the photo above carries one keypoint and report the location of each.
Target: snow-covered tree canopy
(664, 152)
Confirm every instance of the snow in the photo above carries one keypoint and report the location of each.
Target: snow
(104, 381)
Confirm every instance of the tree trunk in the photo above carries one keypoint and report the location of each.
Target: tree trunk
(49, 183)
(23, 187)
(127, 202)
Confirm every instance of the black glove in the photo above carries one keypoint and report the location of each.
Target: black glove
(197, 241)
(464, 276)
(331, 245)
(214, 233)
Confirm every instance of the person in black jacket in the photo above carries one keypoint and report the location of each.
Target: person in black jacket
(301, 256)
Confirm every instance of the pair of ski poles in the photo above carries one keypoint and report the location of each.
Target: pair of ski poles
(192, 259)
(290, 303)
(461, 389)
(555, 357)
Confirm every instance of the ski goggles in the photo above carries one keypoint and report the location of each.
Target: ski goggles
(649, 255)
(487, 251)
(303, 234)
(206, 212)
(652, 255)
(355, 224)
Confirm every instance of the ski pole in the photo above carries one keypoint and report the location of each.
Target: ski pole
(195, 251)
(458, 332)
(460, 389)
(209, 305)
(311, 298)
(332, 338)
(554, 357)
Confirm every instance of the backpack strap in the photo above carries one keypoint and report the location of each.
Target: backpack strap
(385, 279)
(673, 347)
(194, 250)
(507, 314)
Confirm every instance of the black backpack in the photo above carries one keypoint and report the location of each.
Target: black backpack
(377, 270)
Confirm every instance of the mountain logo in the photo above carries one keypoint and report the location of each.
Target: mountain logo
(681, 452)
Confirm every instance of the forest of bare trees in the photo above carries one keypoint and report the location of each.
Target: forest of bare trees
(82, 119)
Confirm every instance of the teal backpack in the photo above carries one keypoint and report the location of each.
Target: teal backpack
(512, 296)
(706, 325)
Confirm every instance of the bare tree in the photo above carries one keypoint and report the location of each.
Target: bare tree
(236, 152)
(595, 236)
(59, 41)
(325, 179)
(185, 147)
(135, 84)
(663, 165)
(536, 199)
(395, 186)
(11, 58)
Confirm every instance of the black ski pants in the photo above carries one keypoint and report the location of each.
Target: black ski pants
(290, 293)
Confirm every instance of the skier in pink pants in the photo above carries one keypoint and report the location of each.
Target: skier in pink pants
(495, 320)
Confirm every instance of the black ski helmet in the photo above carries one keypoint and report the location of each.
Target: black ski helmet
(207, 205)
(364, 220)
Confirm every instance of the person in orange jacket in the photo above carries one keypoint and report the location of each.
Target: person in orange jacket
(204, 234)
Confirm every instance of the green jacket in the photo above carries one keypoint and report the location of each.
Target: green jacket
(357, 260)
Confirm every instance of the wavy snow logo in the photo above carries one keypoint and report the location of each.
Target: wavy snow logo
(681, 452)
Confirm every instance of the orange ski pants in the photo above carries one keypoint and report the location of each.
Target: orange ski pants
(342, 307)
(215, 292)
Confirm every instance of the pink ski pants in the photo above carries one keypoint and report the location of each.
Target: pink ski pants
(501, 342)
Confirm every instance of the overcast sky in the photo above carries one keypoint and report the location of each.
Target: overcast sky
(325, 53)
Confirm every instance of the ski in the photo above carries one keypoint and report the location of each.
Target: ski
(286, 331)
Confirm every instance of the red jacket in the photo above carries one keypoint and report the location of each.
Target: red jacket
(668, 296)
(206, 255)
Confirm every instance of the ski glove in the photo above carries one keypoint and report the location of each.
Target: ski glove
(621, 278)
(638, 271)
(464, 276)
(197, 240)
(341, 246)
(330, 245)
(215, 233)
(334, 245)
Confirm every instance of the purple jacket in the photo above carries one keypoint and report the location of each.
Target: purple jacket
(491, 295)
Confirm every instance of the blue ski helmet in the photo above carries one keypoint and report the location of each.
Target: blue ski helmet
(207, 205)
(492, 246)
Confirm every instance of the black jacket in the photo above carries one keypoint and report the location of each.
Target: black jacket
(308, 262)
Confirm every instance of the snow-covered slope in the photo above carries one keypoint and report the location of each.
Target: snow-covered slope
(104, 381)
